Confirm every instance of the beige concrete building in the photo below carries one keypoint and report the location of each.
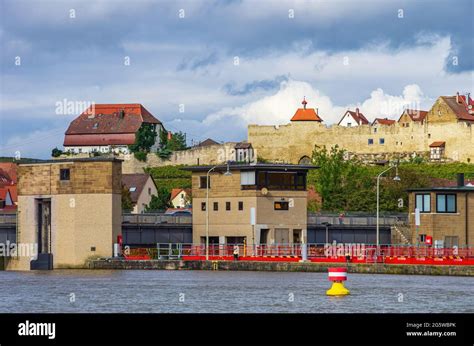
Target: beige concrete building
(70, 208)
(446, 215)
(276, 193)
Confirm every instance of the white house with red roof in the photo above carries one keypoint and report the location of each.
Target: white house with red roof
(107, 128)
(353, 119)
(180, 198)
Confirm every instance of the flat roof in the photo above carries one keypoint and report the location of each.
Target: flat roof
(82, 159)
(251, 167)
(448, 188)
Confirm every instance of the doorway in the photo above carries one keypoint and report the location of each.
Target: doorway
(296, 236)
(264, 235)
(282, 235)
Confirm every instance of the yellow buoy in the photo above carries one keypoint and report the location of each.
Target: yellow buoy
(337, 289)
(337, 276)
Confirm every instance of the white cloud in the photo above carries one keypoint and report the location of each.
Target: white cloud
(280, 107)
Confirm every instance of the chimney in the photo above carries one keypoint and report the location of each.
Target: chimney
(457, 97)
(317, 111)
(460, 179)
(122, 113)
(357, 111)
(169, 135)
(468, 97)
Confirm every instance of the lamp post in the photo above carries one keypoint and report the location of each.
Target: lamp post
(396, 178)
(327, 224)
(227, 173)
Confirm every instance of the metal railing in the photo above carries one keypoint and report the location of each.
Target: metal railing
(178, 251)
(354, 219)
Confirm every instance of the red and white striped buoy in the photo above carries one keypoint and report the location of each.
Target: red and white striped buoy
(337, 276)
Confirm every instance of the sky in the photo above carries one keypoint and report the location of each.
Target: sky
(210, 68)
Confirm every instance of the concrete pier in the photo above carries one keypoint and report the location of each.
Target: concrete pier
(404, 269)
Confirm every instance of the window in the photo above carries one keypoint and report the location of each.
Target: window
(349, 124)
(132, 189)
(227, 205)
(241, 205)
(149, 191)
(247, 178)
(370, 141)
(95, 126)
(422, 238)
(64, 174)
(375, 130)
(281, 205)
(203, 182)
(216, 206)
(423, 202)
(281, 180)
(382, 141)
(203, 206)
(445, 203)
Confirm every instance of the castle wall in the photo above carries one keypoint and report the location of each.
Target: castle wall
(289, 143)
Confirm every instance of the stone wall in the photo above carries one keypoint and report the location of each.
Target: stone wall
(404, 269)
(206, 155)
(289, 143)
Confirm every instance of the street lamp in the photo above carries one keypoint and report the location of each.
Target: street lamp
(227, 173)
(327, 224)
(396, 178)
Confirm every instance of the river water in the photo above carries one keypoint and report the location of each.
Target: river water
(134, 291)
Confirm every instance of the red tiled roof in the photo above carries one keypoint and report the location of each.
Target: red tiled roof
(100, 139)
(136, 181)
(415, 114)
(460, 108)
(308, 114)
(383, 121)
(437, 144)
(9, 189)
(10, 169)
(101, 119)
(176, 192)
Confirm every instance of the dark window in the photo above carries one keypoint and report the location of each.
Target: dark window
(423, 202)
(216, 206)
(375, 130)
(203, 182)
(241, 205)
(422, 238)
(281, 205)
(281, 180)
(227, 205)
(371, 141)
(203, 206)
(445, 203)
(64, 174)
(381, 140)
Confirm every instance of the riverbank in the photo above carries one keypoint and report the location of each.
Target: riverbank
(404, 269)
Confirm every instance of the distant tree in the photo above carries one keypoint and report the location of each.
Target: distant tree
(144, 139)
(177, 142)
(161, 201)
(127, 204)
(56, 152)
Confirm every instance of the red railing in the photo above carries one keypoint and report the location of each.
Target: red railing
(356, 253)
